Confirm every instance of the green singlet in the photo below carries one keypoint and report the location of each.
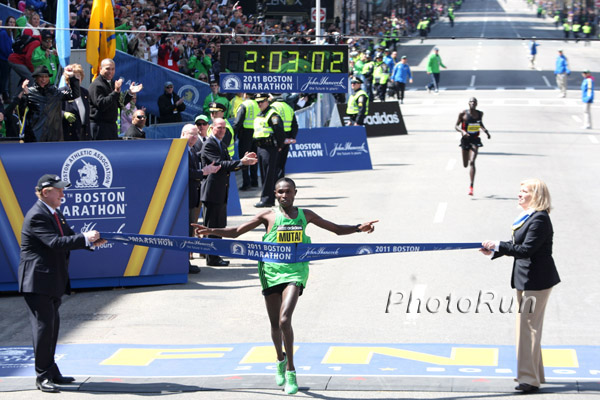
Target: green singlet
(285, 230)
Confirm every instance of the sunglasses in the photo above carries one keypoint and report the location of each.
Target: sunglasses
(202, 123)
(140, 116)
(169, 87)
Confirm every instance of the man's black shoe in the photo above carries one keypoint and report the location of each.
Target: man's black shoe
(217, 263)
(193, 269)
(245, 187)
(526, 388)
(254, 185)
(46, 385)
(261, 204)
(63, 380)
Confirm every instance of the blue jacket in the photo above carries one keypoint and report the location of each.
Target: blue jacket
(390, 62)
(401, 73)
(5, 45)
(587, 90)
(562, 66)
(533, 48)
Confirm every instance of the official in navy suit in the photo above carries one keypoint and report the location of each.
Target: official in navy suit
(215, 188)
(533, 275)
(46, 241)
(196, 174)
(76, 112)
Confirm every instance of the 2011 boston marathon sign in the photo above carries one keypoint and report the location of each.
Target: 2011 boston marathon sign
(278, 252)
(284, 68)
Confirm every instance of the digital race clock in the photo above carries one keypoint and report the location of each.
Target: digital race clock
(284, 68)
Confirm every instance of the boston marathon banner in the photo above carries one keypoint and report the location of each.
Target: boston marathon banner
(383, 119)
(117, 186)
(329, 149)
(279, 252)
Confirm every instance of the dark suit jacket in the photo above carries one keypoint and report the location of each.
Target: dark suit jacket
(533, 267)
(44, 263)
(166, 108)
(104, 101)
(78, 130)
(215, 187)
(195, 175)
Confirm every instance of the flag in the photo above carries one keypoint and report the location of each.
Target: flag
(63, 42)
(101, 44)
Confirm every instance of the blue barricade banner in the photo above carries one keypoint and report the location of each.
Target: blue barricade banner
(283, 83)
(276, 252)
(133, 186)
(153, 77)
(329, 149)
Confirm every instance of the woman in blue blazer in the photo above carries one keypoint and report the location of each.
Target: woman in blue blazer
(533, 275)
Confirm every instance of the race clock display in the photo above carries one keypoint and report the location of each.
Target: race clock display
(284, 68)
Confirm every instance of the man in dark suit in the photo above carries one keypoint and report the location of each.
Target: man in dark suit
(195, 176)
(215, 188)
(105, 96)
(46, 242)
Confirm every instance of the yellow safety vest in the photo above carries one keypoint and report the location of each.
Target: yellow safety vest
(286, 113)
(587, 29)
(262, 130)
(380, 76)
(231, 147)
(353, 103)
(252, 110)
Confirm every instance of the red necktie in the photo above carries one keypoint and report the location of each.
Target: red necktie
(58, 222)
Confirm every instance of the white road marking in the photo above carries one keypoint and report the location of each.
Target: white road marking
(593, 139)
(546, 80)
(500, 88)
(576, 118)
(451, 164)
(440, 213)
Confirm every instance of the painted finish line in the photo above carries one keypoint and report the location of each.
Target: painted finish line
(436, 360)
(277, 252)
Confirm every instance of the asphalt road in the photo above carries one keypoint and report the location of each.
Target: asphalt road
(418, 190)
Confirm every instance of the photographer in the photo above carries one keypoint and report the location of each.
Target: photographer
(200, 63)
(168, 55)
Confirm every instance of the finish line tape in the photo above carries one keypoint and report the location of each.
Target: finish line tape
(275, 252)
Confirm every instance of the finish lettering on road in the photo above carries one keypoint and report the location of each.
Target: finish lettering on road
(143, 357)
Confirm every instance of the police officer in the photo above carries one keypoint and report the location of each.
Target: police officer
(243, 126)
(358, 103)
(269, 136)
(381, 75)
(367, 74)
(290, 127)
(217, 110)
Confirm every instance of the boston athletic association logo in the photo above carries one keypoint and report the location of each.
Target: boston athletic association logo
(92, 195)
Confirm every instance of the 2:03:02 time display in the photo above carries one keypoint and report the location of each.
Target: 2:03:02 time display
(284, 59)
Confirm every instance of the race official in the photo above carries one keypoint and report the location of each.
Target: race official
(46, 242)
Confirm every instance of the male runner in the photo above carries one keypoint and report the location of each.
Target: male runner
(282, 283)
(469, 124)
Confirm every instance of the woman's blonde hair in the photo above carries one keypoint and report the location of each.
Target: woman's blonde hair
(540, 195)
(77, 70)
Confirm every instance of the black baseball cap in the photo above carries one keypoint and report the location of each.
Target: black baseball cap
(50, 180)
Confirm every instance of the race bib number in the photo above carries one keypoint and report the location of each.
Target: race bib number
(473, 128)
(170, 63)
(289, 234)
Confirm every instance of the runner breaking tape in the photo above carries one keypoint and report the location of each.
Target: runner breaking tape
(283, 283)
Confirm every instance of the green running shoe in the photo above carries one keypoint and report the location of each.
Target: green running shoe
(280, 375)
(291, 387)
